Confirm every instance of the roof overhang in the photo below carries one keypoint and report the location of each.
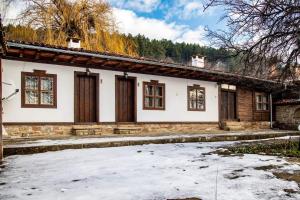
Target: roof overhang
(34, 52)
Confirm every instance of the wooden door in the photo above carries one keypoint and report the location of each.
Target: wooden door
(86, 97)
(224, 105)
(231, 106)
(228, 105)
(125, 99)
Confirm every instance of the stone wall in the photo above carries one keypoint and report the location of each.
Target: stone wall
(48, 130)
(285, 117)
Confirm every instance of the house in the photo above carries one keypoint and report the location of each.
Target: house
(287, 107)
(71, 90)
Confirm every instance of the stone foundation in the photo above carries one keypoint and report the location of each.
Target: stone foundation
(48, 130)
(285, 118)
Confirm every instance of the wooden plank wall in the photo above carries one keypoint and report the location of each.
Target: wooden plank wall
(246, 110)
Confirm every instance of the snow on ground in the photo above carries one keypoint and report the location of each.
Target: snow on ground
(156, 171)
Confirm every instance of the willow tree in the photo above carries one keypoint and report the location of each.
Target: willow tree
(91, 21)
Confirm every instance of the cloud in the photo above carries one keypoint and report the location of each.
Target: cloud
(193, 36)
(137, 5)
(129, 22)
(188, 9)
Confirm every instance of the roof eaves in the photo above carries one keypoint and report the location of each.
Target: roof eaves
(130, 59)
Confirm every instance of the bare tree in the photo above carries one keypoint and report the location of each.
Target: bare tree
(264, 34)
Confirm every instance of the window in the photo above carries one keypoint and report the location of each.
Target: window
(38, 89)
(154, 95)
(262, 102)
(196, 98)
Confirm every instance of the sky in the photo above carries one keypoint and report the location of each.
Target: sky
(176, 20)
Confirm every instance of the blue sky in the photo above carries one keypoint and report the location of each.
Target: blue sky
(176, 20)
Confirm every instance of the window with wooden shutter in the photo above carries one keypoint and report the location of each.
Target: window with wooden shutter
(196, 98)
(154, 95)
(38, 89)
(262, 102)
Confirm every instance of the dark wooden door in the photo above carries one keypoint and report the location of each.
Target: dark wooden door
(86, 97)
(125, 99)
(224, 105)
(231, 106)
(228, 105)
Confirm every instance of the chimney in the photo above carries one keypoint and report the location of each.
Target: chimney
(73, 43)
(198, 61)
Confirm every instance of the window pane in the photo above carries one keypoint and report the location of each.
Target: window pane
(193, 104)
(264, 99)
(31, 82)
(149, 102)
(159, 91)
(200, 105)
(200, 94)
(258, 106)
(47, 98)
(149, 90)
(258, 98)
(158, 102)
(31, 97)
(46, 83)
(193, 94)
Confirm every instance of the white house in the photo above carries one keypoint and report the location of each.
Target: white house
(67, 90)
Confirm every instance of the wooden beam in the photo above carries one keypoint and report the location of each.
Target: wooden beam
(54, 59)
(90, 61)
(37, 55)
(73, 59)
(21, 55)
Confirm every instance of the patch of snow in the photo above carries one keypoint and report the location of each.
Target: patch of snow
(156, 171)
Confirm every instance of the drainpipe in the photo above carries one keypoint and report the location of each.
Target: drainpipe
(271, 111)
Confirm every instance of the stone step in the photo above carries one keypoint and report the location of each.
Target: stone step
(81, 130)
(238, 126)
(234, 128)
(127, 130)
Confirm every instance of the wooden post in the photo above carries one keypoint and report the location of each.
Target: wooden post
(1, 144)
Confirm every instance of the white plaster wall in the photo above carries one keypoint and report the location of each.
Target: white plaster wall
(176, 96)
(176, 101)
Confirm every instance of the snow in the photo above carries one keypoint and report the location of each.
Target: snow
(156, 171)
(103, 139)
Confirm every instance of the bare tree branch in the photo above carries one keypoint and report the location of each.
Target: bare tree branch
(263, 33)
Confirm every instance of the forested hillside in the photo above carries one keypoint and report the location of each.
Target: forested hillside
(180, 52)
